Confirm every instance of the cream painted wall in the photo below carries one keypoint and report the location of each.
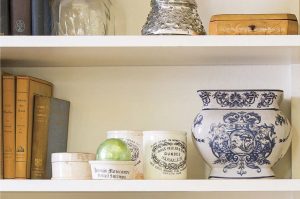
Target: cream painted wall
(212, 7)
(132, 14)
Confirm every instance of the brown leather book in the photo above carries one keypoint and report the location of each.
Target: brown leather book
(9, 122)
(20, 13)
(27, 87)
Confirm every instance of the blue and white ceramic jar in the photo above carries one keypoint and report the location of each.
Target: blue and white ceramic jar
(241, 134)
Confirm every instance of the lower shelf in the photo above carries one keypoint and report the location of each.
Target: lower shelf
(286, 185)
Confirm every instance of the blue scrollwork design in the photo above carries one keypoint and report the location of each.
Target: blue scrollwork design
(235, 99)
(280, 120)
(198, 120)
(200, 140)
(282, 140)
(241, 142)
(205, 96)
(266, 99)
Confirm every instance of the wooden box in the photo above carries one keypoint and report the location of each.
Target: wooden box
(253, 24)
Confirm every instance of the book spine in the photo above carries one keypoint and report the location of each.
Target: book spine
(22, 100)
(37, 14)
(1, 134)
(37, 87)
(47, 17)
(4, 20)
(9, 141)
(40, 137)
(20, 11)
(58, 130)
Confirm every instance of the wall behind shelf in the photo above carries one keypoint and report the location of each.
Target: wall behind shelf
(150, 98)
(132, 14)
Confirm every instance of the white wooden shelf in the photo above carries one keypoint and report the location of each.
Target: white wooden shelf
(75, 51)
(150, 41)
(150, 186)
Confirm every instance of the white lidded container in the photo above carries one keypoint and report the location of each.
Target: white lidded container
(112, 170)
(165, 155)
(71, 166)
(134, 141)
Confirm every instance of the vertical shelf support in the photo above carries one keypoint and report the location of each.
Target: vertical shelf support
(295, 120)
(295, 114)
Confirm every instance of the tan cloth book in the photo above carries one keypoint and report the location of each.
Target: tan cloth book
(1, 135)
(9, 124)
(27, 87)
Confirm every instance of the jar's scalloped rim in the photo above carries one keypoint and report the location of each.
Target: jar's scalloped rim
(240, 90)
(165, 132)
(112, 162)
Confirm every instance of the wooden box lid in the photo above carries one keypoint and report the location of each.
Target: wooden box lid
(241, 17)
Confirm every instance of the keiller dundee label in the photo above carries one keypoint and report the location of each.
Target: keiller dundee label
(169, 156)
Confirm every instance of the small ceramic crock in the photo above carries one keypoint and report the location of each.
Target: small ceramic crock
(71, 166)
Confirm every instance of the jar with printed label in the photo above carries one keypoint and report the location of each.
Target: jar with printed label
(134, 141)
(165, 155)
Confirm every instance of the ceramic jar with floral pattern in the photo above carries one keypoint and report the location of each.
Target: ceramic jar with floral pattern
(241, 134)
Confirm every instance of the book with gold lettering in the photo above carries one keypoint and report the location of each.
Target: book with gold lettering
(50, 133)
(9, 124)
(27, 87)
(1, 135)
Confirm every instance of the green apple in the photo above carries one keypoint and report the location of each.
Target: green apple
(113, 149)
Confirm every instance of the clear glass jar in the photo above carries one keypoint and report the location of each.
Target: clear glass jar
(85, 17)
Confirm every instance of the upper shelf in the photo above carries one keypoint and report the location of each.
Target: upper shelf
(149, 185)
(32, 51)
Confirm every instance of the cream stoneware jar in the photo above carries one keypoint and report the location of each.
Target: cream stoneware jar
(165, 155)
(134, 141)
(241, 134)
(71, 166)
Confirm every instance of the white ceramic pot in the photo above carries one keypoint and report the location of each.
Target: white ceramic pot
(165, 155)
(71, 166)
(112, 170)
(241, 134)
(134, 141)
